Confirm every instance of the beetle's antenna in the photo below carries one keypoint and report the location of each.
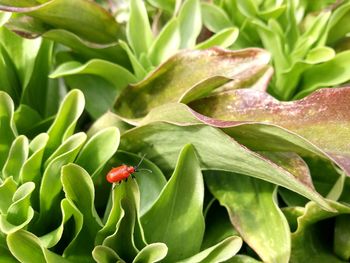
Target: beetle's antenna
(142, 169)
(137, 166)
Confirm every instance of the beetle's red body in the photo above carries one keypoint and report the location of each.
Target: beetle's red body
(120, 173)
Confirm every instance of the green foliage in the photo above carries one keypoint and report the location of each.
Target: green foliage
(226, 168)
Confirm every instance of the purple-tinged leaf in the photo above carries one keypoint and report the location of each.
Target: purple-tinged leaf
(193, 74)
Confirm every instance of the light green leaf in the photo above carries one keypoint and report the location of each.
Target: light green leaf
(26, 247)
(179, 206)
(190, 20)
(247, 200)
(51, 186)
(103, 254)
(25, 118)
(167, 5)
(223, 38)
(154, 252)
(17, 156)
(214, 17)
(64, 124)
(79, 189)
(341, 245)
(98, 150)
(115, 74)
(166, 44)
(139, 70)
(7, 127)
(4, 17)
(221, 252)
(139, 37)
(7, 190)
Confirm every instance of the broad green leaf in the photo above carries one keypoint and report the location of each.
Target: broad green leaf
(224, 39)
(64, 124)
(341, 245)
(7, 189)
(51, 186)
(79, 189)
(115, 74)
(6, 256)
(17, 156)
(247, 200)
(167, 5)
(103, 254)
(221, 252)
(173, 79)
(154, 252)
(7, 127)
(242, 259)
(218, 151)
(166, 44)
(322, 118)
(25, 118)
(330, 73)
(311, 242)
(214, 18)
(190, 20)
(139, 37)
(127, 237)
(179, 206)
(150, 184)
(93, 23)
(98, 150)
(19, 213)
(26, 247)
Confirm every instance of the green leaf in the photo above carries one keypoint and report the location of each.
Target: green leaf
(98, 150)
(167, 5)
(221, 252)
(17, 156)
(139, 70)
(330, 73)
(190, 20)
(19, 213)
(311, 240)
(247, 200)
(127, 235)
(179, 206)
(103, 254)
(93, 23)
(140, 38)
(79, 189)
(7, 190)
(223, 38)
(4, 17)
(154, 252)
(115, 74)
(218, 151)
(7, 127)
(64, 124)
(214, 17)
(51, 186)
(25, 118)
(26, 247)
(175, 78)
(341, 237)
(166, 44)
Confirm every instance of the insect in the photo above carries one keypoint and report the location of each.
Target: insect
(123, 172)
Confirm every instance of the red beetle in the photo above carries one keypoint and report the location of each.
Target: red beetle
(120, 173)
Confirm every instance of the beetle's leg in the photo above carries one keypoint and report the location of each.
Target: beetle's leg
(126, 179)
(133, 176)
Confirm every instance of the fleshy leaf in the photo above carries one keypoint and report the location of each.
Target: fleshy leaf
(224, 39)
(115, 74)
(93, 23)
(98, 150)
(309, 242)
(190, 21)
(17, 156)
(221, 252)
(65, 121)
(26, 247)
(79, 189)
(218, 151)
(7, 190)
(214, 18)
(247, 200)
(173, 79)
(7, 128)
(179, 206)
(154, 252)
(322, 118)
(341, 237)
(103, 254)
